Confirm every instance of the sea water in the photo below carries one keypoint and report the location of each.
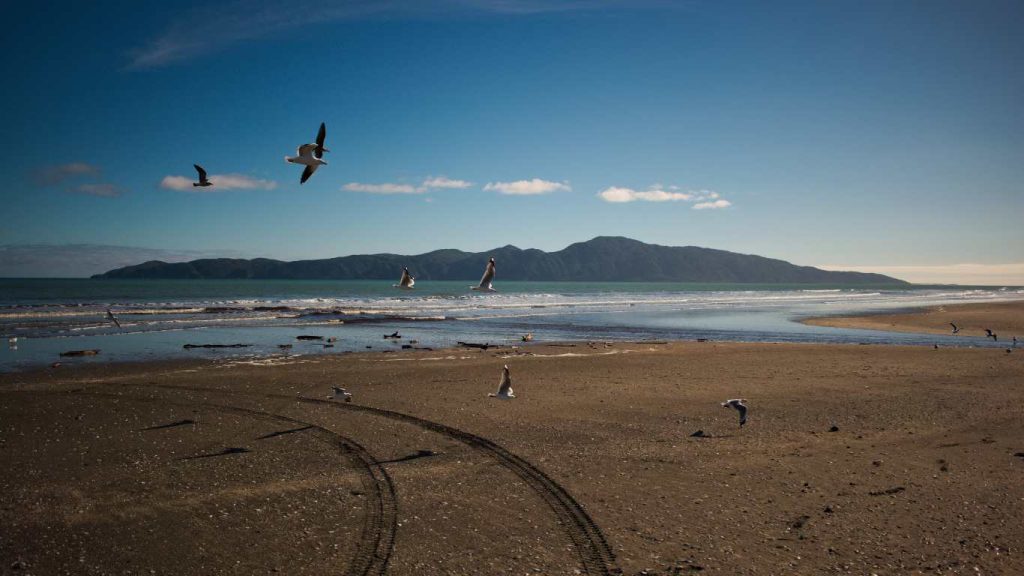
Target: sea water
(158, 317)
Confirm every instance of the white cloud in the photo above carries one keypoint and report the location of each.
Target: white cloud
(220, 182)
(105, 190)
(443, 182)
(969, 274)
(715, 205)
(527, 187)
(385, 188)
(52, 175)
(705, 199)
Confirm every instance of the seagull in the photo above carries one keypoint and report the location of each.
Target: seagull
(407, 280)
(485, 282)
(341, 393)
(955, 329)
(112, 318)
(505, 386)
(394, 335)
(992, 335)
(1014, 341)
(738, 404)
(310, 155)
(528, 337)
(203, 180)
(12, 342)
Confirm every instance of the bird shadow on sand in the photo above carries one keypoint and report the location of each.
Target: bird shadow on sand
(283, 432)
(414, 456)
(224, 452)
(184, 422)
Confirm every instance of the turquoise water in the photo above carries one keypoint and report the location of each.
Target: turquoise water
(158, 317)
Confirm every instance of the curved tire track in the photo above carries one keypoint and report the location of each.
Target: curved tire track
(376, 543)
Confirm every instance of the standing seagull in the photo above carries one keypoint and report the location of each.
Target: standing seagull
(738, 404)
(955, 329)
(485, 282)
(407, 280)
(310, 155)
(505, 386)
(112, 318)
(203, 180)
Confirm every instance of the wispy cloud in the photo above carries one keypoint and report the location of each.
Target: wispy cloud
(527, 187)
(53, 175)
(78, 260)
(221, 182)
(208, 29)
(442, 182)
(715, 205)
(105, 190)
(428, 184)
(385, 188)
(703, 199)
(969, 274)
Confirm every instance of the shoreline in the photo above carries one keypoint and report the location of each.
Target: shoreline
(1005, 318)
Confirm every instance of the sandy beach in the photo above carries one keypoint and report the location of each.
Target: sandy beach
(1006, 319)
(246, 467)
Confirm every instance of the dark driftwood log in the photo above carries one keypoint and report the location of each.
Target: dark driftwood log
(305, 337)
(484, 346)
(190, 346)
(72, 353)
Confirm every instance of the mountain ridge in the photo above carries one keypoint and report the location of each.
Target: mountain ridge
(604, 258)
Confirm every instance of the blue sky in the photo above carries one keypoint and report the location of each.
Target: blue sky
(853, 134)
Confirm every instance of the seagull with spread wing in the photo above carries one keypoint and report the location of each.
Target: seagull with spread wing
(955, 329)
(310, 155)
(112, 318)
(485, 282)
(407, 281)
(738, 404)
(203, 180)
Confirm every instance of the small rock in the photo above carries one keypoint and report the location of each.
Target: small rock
(834, 428)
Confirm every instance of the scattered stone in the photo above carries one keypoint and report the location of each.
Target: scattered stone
(700, 434)
(800, 522)
(829, 510)
(834, 428)
(1019, 454)
(876, 463)
(893, 490)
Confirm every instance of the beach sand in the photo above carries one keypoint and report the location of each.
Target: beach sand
(222, 468)
(1006, 319)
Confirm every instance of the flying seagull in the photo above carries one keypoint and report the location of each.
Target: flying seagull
(112, 318)
(505, 386)
(992, 335)
(203, 180)
(407, 280)
(310, 155)
(485, 282)
(955, 329)
(738, 404)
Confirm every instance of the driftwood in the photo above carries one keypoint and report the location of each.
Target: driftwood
(484, 346)
(74, 353)
(191, 346)
(306, 337)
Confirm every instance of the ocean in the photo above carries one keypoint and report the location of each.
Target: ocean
(159, 317)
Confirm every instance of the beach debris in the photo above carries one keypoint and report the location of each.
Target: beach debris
(1020, 455)
(328, 345)
(310, 155)
(394, 335)
(339, 393)
(834, 428)
(184, 422)
(224, 452)
(504, 386)
(332, 339)
(77, 353)
(738, 404)
(191, 346)
(406, 346)
(308, 337)
(369, 347)
(285, 346)
(528, 337)
(888, 491)
(800, 522)
(112, 318)
(700, 434)
(702, 339)
(406, 282)
(413, 456)
(488, 277)
(483, 346)
(55, 365)
(955, 329)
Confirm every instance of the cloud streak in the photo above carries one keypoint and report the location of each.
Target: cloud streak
(385, 188)
(532, 187)
(702, 199)
(969, 274)
(208, 29)
(82, 260)
(53, 175)
(221, 183)
(104, 190)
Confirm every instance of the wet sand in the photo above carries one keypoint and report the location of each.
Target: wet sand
(247, 468)
(1006, 319)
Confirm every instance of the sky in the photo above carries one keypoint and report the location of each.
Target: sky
(862, 135)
